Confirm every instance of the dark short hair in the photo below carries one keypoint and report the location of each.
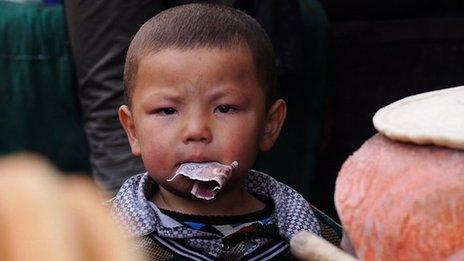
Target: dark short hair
(203, 25)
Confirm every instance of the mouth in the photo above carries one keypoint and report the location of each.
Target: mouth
(205, 189)
(195, 159)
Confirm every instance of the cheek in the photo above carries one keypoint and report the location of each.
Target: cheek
(155, 150)
(242, 143)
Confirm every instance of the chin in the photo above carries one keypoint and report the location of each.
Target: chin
(180, 188)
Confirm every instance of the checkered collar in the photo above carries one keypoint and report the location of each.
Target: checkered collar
(292, 212)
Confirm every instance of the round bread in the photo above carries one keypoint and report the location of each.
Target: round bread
(435, 117)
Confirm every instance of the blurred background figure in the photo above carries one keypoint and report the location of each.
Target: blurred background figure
(44, 216)
(38, 105)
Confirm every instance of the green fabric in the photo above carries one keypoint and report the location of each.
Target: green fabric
(37, 100)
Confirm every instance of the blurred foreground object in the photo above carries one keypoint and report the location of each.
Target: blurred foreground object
(47, 217)
(403, 201)
(309, 247)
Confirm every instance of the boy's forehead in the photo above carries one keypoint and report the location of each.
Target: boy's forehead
(209, 71)
(171, 66)
(203, 52)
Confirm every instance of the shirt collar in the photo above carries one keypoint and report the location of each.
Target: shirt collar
(131, 205)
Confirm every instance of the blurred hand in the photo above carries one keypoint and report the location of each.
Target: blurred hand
(44, 216)
(309, 247)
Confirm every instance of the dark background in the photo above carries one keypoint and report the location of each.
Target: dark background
(379, 52)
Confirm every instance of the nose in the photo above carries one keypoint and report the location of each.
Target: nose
(197, 129)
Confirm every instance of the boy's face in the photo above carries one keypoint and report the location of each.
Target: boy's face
(198, 105)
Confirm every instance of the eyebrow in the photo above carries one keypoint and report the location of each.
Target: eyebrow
(222, 92)
(163, 95)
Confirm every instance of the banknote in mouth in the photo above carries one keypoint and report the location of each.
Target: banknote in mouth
(208, 177)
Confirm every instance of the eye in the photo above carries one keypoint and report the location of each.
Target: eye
(166, 111)
(225, 109)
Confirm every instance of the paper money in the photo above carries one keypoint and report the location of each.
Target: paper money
(209, 177)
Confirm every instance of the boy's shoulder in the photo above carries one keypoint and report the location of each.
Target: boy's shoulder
(330, 230)
(131, 207)
(289, 202)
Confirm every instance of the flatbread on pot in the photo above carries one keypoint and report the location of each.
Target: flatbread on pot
(435, 117)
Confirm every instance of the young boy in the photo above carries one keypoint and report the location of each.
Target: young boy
(200, 87)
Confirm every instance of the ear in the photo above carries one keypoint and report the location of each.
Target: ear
(127, 121)
(274, 120)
